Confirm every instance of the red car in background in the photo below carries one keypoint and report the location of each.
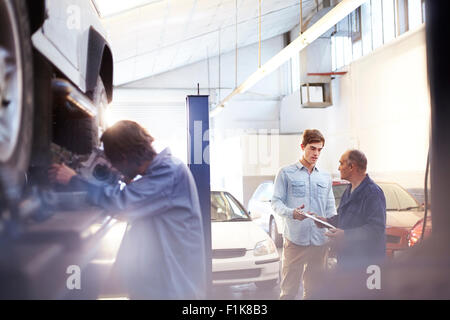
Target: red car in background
(415, 234)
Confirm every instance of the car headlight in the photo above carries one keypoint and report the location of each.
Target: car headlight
(264, 247)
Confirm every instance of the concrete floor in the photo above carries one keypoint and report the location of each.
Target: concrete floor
(245, 292)
(236, 292)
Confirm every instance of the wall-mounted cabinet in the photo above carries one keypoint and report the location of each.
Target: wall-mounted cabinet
(316, 95)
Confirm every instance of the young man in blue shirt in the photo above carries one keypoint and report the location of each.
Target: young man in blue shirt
(302, 186)
(162, 256)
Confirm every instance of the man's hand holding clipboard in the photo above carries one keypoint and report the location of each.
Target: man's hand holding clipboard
(319, 221)
(334, 233)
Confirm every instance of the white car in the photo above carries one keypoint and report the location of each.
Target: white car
(260, 209)
(241, 251)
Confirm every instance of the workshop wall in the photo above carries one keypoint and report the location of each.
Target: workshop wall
(380, 106)
(258, 109)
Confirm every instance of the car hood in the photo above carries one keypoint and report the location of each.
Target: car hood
(403, 219)
(239, 234)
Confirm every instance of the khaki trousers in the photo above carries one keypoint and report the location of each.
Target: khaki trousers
(300, 263)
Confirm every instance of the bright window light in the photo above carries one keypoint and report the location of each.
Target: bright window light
(377, 24)
(348, 56)
(357, 50)
(333, 53)
(414, 14)
(366, 28)
(339, 52)
(107, 8)
(388, 20)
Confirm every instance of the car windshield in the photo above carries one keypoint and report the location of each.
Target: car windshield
(225, 207)
(338, 191)
(397, 199)
(265, 192)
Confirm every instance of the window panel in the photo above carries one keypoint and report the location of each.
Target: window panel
(388, 20)
(339, 52)
(357, 50)
(414, 14)
(366, 28)
(333, 53)
(401, 11)
(355, 25)
(377, 24)
(348, 56)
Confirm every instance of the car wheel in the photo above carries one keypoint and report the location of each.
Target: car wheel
(16, 97)
(268, 284)
(273, 232)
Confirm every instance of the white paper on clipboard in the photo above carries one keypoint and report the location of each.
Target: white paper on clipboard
(326, 224)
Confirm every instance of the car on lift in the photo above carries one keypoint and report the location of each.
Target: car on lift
(56, 80)
(241, 251)
(402, 212)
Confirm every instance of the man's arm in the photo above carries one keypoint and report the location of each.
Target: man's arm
(279, 196)
(330, 210)
(147, 196)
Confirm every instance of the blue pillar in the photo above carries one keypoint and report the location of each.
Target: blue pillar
(197, 111)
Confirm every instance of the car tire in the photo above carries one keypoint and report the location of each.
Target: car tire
(16, 97)
(267, 284)
(274, 234)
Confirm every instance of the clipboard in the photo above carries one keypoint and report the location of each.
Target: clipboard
(326, 224)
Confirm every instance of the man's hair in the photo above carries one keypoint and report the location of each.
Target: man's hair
(312, 136)
(357, 158)
(128, 140)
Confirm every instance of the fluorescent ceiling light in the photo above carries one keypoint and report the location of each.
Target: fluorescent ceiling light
(107, 8)
(214, 112)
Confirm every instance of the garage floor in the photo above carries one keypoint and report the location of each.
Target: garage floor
(236, 292)
(246, 291)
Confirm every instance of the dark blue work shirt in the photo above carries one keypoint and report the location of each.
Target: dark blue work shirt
(362, 216)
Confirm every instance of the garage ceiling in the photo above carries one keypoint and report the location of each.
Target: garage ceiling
(149, 37)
